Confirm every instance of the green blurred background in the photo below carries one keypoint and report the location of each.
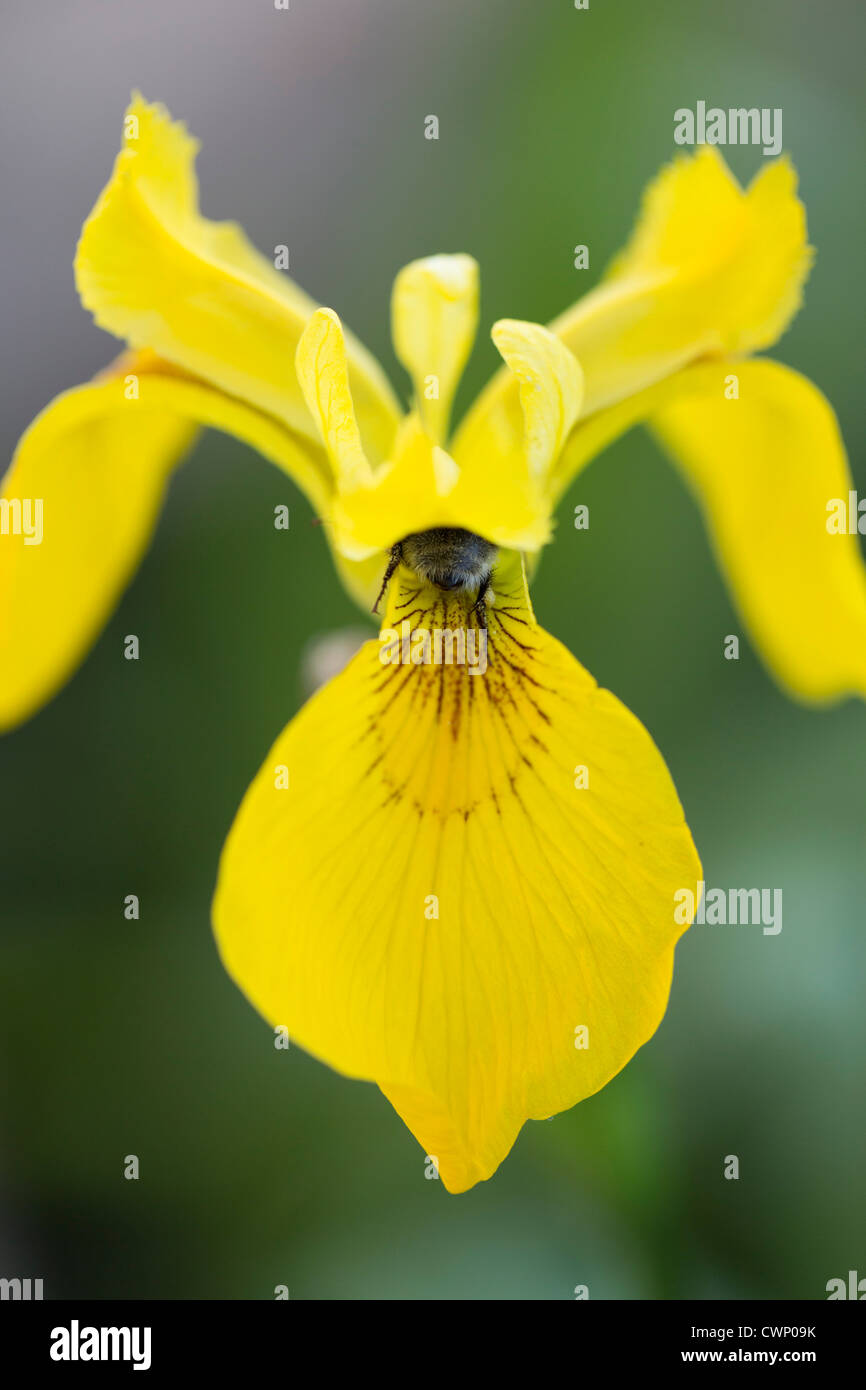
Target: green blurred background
(260, 1167)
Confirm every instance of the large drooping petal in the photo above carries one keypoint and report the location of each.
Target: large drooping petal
(94, 467)
(710, 269)
(460, 885)
(766, 467)
(434, 316)
(156, 273)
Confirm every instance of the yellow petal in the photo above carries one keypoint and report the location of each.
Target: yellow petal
(323, 373)
(550, 385)
(416, 888)
(422, 487)
(434, 316)
(711, 269)
(504, 497)
(93, 467)
(592, 435)
(153, 271)
(766, 468)
(506, 459)
(418, 487)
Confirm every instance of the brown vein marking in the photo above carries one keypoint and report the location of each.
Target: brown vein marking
(510, 614)
(410, 599)
(401, 694)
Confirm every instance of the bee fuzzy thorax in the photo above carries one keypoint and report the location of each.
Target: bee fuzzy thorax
(449, 557)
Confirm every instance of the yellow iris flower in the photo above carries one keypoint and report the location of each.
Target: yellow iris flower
(417, 884)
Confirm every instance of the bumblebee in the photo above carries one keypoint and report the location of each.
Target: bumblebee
(448, 557)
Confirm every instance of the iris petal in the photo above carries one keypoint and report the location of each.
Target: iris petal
(416, 888)
(540, 416)
(711, 268)
(323, 372)
(98, 460)
(434, 317)
(765, 467)
(156, 273)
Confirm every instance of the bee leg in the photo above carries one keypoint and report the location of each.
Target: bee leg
(479, 607)
(396, 557)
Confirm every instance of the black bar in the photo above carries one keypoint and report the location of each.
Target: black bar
(256, 1337)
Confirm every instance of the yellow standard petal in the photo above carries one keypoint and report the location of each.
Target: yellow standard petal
(434, 317)
(770, 472)
(460, 882)
(155, 272)
(711, 268)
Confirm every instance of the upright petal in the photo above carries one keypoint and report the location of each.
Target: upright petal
(414, 490)
(156, 273)
(710, 269)
(460, 883)
(766, 468)
(323, 372)
(505, 462)
(421, 487)
(94, 467)
(434, 316)
(550, 390)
